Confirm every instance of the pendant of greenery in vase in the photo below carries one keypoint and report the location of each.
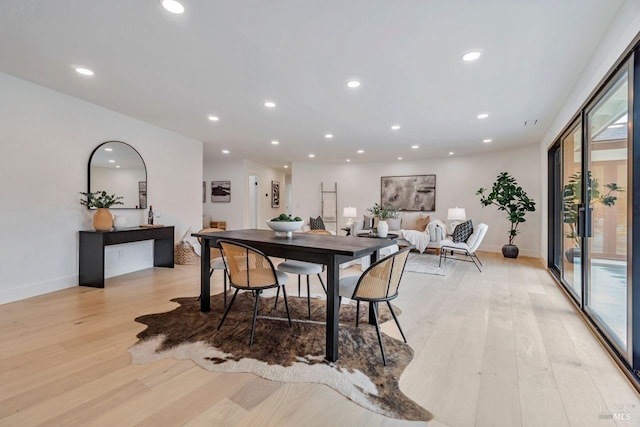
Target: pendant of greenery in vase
(508, 196)
(383, 213)
(571, 201)
(102, 218)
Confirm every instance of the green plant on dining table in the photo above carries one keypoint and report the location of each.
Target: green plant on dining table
(100, 199)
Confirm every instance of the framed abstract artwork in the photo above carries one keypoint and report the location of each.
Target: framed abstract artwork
(275, 194)
(220, 191)
(409, 193)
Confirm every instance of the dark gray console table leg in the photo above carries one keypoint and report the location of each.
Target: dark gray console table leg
(91, 260)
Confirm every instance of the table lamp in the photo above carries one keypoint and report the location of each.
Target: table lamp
(350, 213)
(456, 215)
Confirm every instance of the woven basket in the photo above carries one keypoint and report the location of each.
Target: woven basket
(184, 255)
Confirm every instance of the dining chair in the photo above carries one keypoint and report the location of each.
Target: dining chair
(467, 248)
(217, 263)
(378, 283)
(250, 270)
(303, 268)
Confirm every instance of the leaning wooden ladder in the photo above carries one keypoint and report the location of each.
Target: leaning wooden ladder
(329, 199)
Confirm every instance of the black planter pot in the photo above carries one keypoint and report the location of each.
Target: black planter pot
(510, 251)
(572, 254)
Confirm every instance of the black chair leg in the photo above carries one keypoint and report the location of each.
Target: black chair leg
(286, 304)
(474, 261)
(255, 315)
(375, 313)
(357, 312)
(322, 283)
(224, 273)
(393, 313)
(309, 296)
(277, 295)
(476, 255)
(226, 311)
(298, 286)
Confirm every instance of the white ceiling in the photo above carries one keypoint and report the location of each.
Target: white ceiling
(228, 57)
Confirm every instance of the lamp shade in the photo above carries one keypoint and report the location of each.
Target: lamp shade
(456, 214)
(349, 212)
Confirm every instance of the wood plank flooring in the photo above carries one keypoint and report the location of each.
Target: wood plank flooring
(498, 348)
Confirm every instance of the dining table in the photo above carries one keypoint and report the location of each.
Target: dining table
(317, 248)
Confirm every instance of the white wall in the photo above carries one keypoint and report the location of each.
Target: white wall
(457, 180)
(46, 139)
(236, 212)
(623, 28)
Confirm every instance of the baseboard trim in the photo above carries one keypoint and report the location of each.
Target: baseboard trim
(34, 289)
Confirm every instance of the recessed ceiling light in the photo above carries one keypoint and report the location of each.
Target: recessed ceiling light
(118, 166)
(348, 160)
(329, 136)
(108, 149)
(286, 166)
(399, 158)
(415, 147)
(471, 56)
(270, 104)
(225, 151)
(353, 84)
(274, 142)
(213, 118)
(173, 6)
(395, 127)
(360, 151)
(112, 161)
(312, 155)
(451, 153)
(482, 115)
(84, 71)
(487, 140)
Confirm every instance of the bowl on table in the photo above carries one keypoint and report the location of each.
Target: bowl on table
(285, 228)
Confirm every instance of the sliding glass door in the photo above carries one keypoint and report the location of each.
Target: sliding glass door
(608, 198)
(592, 182)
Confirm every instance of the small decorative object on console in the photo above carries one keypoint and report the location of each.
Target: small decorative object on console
(102, 219)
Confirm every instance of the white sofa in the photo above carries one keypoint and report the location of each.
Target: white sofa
(430, 238)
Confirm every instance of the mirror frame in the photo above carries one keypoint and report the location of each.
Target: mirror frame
(146, 175)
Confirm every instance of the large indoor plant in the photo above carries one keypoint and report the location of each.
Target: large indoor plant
(571, 202)
(383, 213)
(508, 196)
(102, 219)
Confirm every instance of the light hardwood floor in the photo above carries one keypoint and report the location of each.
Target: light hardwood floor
(498, 348)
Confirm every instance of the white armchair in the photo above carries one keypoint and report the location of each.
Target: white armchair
(467, 248)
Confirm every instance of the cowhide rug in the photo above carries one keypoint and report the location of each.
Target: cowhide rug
(284, 354)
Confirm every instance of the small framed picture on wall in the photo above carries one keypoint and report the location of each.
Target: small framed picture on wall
(220, 191)
(275, 194)
(204, 191)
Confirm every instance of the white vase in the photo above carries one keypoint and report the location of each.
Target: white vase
(383, 228)
(119, 222)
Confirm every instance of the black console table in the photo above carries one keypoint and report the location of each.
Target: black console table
(92, 245)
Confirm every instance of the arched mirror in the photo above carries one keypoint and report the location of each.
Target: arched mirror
(117, 168)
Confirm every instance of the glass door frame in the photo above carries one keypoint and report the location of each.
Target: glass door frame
(586, 253)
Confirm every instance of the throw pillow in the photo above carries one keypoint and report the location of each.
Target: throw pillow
(316, 223)
(394, 223)
(462, 232)
(422, 223)
(368, 222)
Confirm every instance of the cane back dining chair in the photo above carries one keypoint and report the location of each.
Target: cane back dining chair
(378, 283)
(303, 268)
(250, 270)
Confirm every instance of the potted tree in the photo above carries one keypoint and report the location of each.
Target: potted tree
(383, 213)
(508, 196)
(102, 219)
(571, 201)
